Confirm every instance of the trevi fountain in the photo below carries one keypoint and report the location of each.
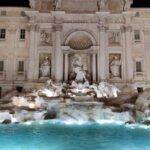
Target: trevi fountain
(76, 78)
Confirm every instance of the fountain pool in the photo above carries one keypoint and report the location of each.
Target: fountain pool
(52, 135)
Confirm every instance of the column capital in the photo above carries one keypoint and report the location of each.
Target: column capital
(33, 27)
(126, 28)
(146, 31)
(57, 27)
(102, 27)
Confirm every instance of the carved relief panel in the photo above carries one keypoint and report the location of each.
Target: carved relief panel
(114, 38)
(45, 37)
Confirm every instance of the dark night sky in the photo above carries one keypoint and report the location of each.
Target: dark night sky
(137, 3)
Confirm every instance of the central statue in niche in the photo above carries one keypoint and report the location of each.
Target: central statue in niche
(78, 69)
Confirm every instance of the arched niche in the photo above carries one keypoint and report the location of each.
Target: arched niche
(80, 55)
(80, 40)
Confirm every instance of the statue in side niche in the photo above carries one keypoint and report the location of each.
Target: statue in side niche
(115, 67)
(45, 68)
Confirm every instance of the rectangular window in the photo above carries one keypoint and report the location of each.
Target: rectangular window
(1, 66)
(2, 33)
(21, 66)
(3, 13)
(23, 13)
(138, 66)
(137, 37)
(22, 34)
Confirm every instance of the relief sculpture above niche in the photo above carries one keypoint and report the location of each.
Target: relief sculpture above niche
(45, 38)
(114, 38)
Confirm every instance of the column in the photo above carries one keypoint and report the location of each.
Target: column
(58, 53)
(11, 66)
(123, 57)
(36, 54)
(94, 66)
(31, 67)
(66, 67)
(102, 54)
(129, 60)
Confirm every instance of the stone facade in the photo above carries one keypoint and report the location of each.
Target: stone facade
(106, 38)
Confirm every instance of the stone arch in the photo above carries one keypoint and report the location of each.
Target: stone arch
(80, 40)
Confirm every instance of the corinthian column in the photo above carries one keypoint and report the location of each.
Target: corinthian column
(102, 71)
(11, 71)
(66, 67)
(32, 52)
(58, 53)
(129, 60)
(94, 66)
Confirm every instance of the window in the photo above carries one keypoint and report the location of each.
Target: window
(3, 13)
(137, 37)
(2, 33)
(22, 34)
(138, 66)
(23, 13)
(140, 89)
(1, 66)
(21, 66)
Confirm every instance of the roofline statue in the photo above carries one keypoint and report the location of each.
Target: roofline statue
(127, 4)
(32, 4)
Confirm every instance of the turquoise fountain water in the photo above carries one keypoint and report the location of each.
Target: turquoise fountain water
(52, 135)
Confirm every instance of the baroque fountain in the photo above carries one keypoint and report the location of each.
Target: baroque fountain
(77, 101)
(93, 115)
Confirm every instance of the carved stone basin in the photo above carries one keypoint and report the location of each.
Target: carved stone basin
(83, 98)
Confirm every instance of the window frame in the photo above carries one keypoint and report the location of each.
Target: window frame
(2, 34)
(22, 34)
(138, 67)
(137, 33)
(141, 60)
(2, 66)
(21, 67)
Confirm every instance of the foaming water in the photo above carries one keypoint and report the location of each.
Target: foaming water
(58, 135)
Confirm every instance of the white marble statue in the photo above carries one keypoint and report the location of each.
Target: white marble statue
(127, 4)
(32, 4)
(78, 69)
(45, 68)
(80, 87)
(102, 5)
(104, 89)
(115, 68)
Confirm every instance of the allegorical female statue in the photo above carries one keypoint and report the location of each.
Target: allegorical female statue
(115, 67)
(45, 68)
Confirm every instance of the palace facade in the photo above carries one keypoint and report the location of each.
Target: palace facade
(98, 40)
